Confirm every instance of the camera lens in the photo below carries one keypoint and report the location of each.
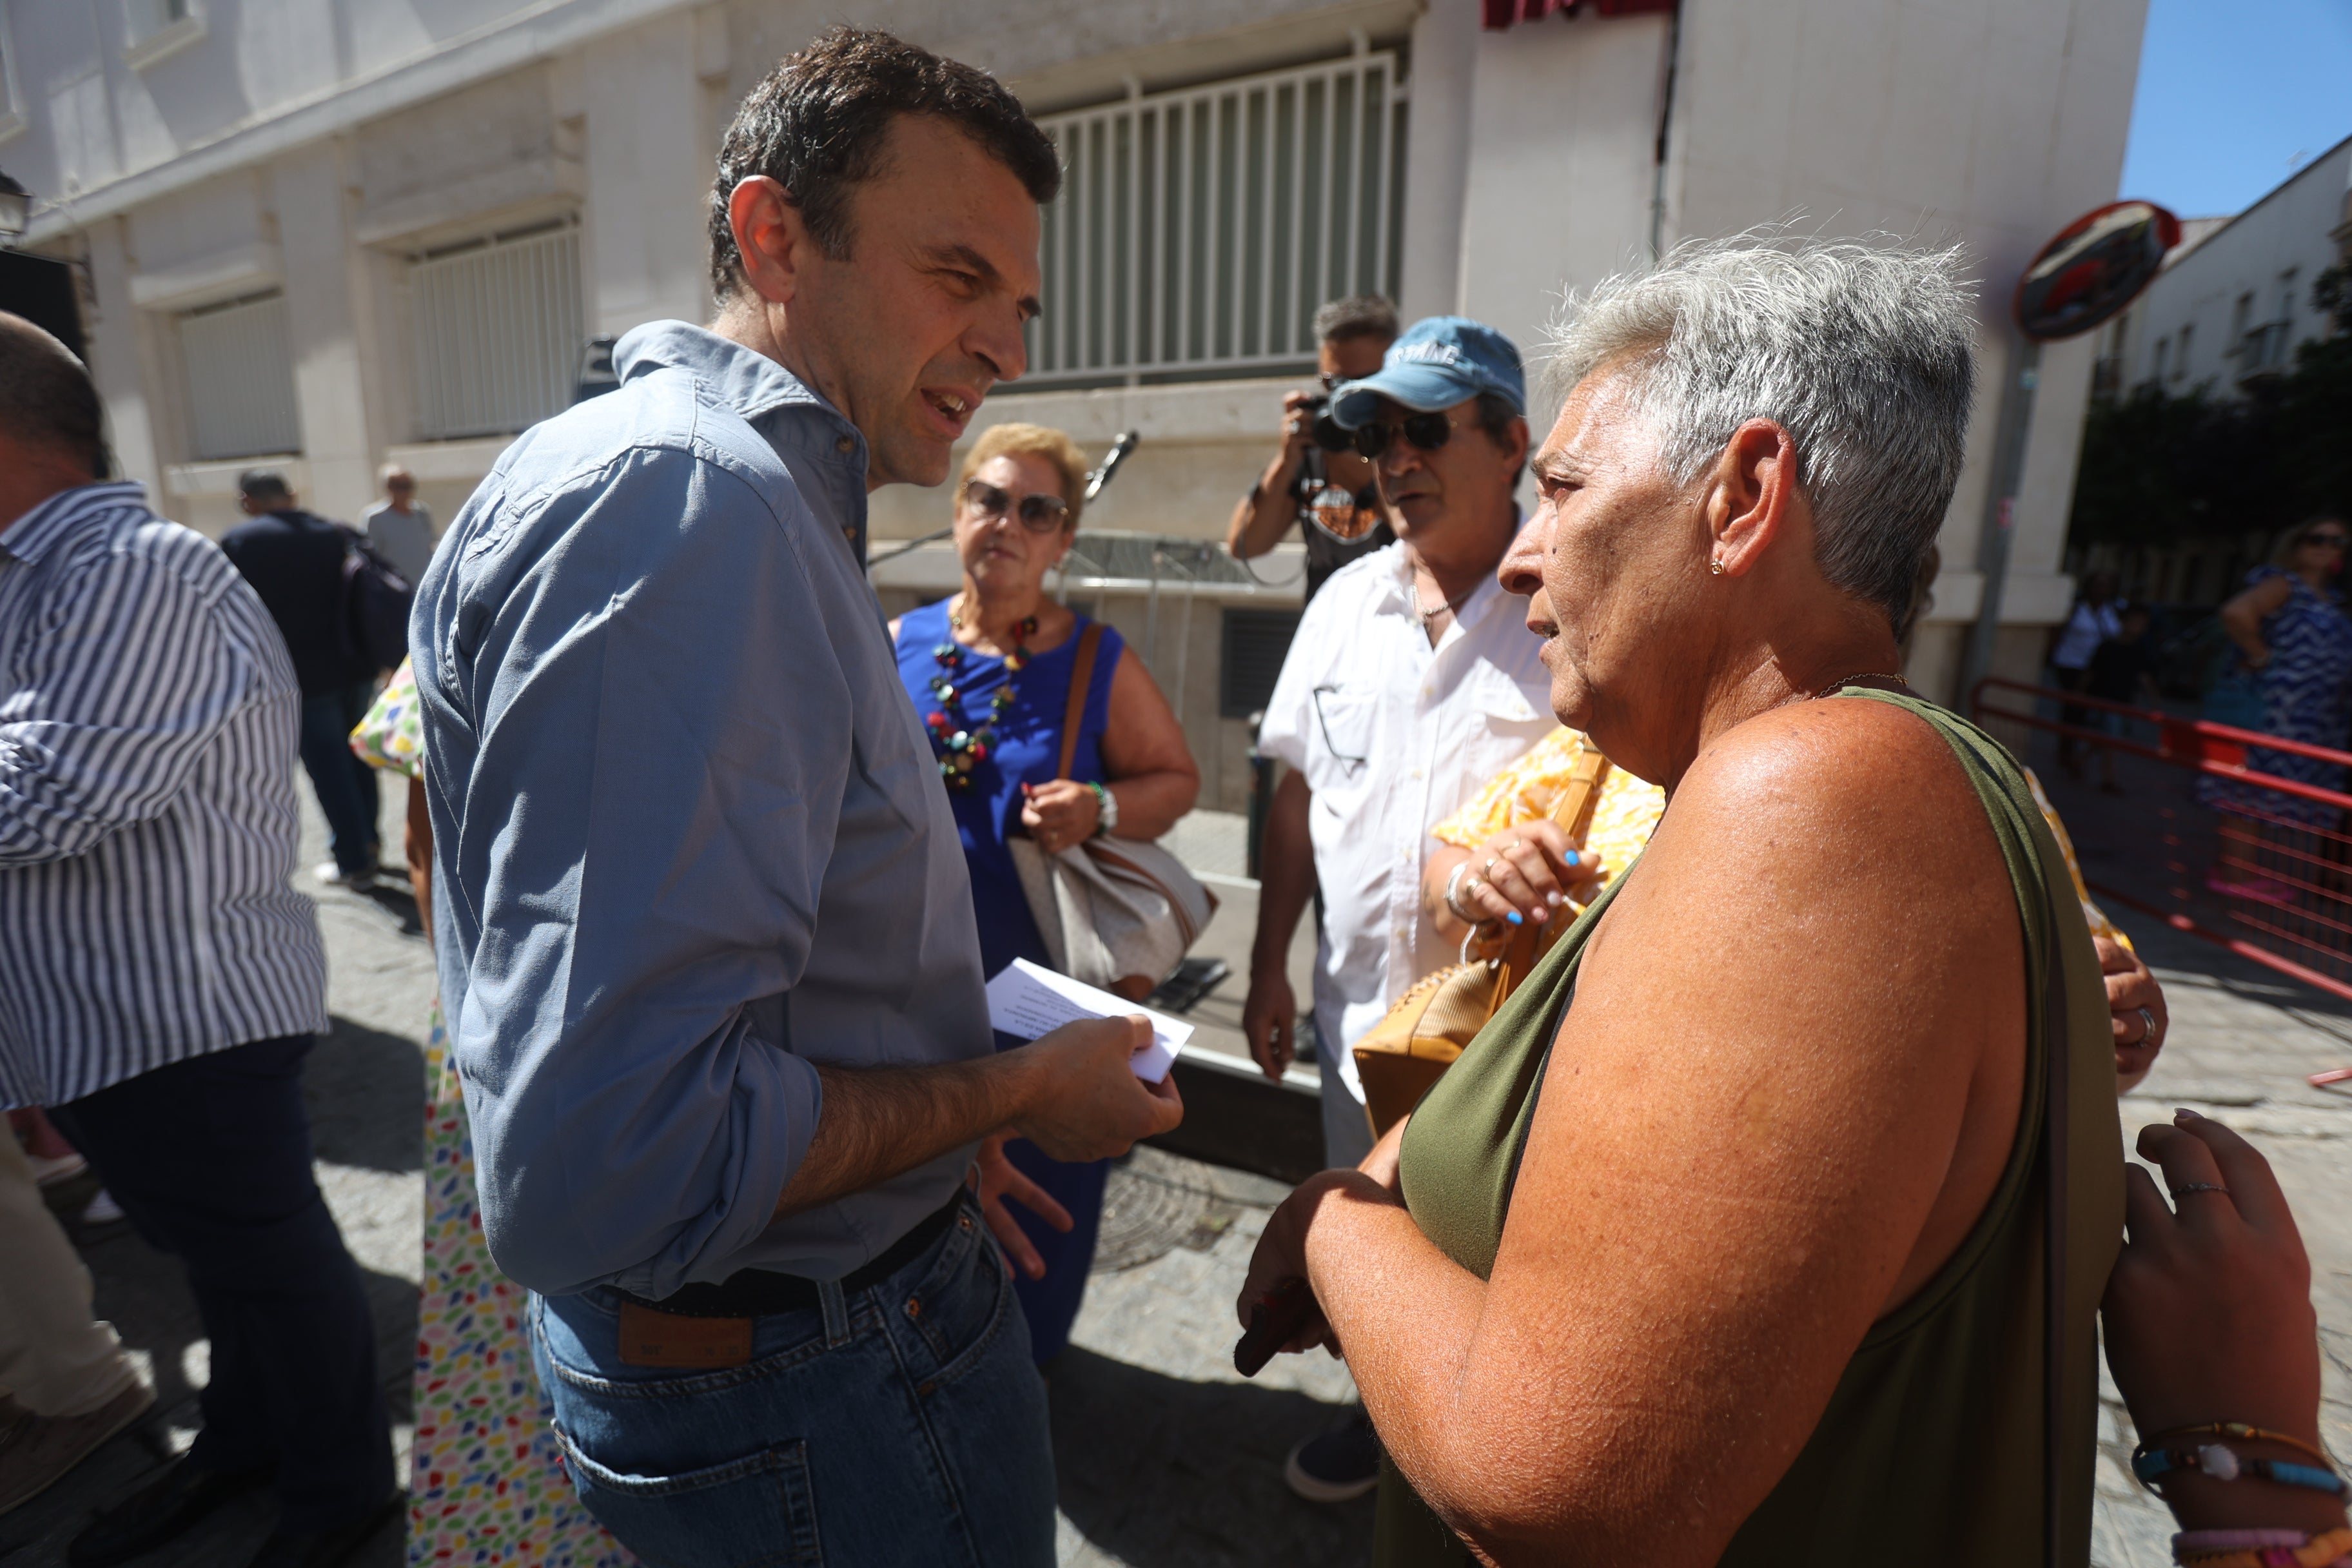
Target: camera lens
(1325, 432)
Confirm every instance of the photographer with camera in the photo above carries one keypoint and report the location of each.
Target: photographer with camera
(1316, 479)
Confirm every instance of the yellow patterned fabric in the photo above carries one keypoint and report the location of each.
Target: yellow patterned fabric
(1629, 810)
(1526, 790)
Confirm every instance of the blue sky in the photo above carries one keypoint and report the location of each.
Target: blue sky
(2230, 92)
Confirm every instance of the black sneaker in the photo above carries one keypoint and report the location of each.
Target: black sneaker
(164, 1510)
(1339, 1465)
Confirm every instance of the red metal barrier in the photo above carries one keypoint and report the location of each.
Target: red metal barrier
(2208, 840)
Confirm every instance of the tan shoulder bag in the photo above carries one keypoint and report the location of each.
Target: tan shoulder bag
(1119, 913)
(1410, 1049)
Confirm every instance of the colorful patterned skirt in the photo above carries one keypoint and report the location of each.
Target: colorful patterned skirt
(486, 1486)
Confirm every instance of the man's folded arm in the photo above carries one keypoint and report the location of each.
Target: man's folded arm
(124, 679)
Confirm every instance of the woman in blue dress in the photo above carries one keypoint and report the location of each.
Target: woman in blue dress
(990, 671)
(2290, 628)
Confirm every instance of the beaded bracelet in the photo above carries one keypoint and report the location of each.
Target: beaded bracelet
(2261, 1548)
(2234, 1429)
(2226, 1464)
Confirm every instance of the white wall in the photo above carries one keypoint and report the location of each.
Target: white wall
(2290, 229)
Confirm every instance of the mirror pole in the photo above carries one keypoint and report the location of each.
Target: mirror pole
(2000, 508)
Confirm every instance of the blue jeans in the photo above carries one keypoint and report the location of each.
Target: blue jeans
(898, 1424)
(346, 785)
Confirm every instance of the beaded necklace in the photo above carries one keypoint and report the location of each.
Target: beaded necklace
(961, 745)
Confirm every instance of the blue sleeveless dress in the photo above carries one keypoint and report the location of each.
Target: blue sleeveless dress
(2306, 696)
(1028, 745)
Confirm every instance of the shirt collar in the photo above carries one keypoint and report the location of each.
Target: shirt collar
(742, 378)
(30, 536)
(1483, 600)
(799, 421)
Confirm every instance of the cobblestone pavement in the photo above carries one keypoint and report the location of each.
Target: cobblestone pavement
(1167, 1458)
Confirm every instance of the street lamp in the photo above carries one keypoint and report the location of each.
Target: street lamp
(16, 208)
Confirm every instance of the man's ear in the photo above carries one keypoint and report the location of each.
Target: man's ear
(771, 237)
(1750, 495)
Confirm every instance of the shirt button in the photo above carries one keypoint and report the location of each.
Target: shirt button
(1417, 772)
(845, 445)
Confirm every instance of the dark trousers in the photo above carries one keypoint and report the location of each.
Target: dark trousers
(211, 1159)
(345, 784)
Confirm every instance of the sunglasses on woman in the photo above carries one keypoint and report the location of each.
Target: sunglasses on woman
(1038, 513)
(2326, 541)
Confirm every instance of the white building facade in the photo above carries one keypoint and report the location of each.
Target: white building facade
(2234, 301)
(323, 234)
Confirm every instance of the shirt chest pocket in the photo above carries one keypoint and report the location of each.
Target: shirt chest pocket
(1340, 747)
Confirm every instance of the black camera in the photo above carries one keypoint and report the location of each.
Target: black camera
(1324, 430)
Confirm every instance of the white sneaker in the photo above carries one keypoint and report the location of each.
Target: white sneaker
(103, 1210)
(49, 1171)
(334, 876)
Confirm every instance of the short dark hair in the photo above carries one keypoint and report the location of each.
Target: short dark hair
(47, 398)
(817, 125)
(260, 484)
(1364, 316)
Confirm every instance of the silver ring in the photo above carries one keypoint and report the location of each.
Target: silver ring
(2187, 1187)
(2147, 1028)
(1470, 883)
(1487, 869)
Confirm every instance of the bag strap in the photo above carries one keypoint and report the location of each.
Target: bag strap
(2056, 1069)
(1082, 680)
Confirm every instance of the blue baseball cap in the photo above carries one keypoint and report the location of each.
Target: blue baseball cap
(1438, 361)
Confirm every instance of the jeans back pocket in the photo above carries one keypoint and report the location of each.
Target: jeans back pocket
(758, 1511)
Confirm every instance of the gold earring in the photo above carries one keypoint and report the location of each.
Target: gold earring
(1715, 565)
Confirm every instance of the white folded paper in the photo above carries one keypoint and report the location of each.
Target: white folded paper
(1027, 1000)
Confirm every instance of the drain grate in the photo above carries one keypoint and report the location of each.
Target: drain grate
(1145, 1218)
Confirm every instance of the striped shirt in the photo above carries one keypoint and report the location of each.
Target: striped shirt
(147, 816)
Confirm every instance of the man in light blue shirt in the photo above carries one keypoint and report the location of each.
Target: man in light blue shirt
(708, 953)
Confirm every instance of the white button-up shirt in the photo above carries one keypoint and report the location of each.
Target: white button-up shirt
(1393, 736)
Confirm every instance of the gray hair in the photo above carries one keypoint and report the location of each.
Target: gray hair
(1864, 352)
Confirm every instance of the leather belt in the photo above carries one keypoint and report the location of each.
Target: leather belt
(756, 1292)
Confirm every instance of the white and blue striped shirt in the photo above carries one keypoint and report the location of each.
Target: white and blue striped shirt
(148, 714)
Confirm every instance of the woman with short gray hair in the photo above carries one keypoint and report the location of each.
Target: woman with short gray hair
(1723, 1242)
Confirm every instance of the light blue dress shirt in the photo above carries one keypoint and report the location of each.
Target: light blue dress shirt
(689, 837)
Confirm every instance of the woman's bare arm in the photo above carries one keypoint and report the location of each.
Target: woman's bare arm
(1144, 755)
(2242, 617)
(1787, 1088)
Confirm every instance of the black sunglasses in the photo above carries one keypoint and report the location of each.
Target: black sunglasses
(1038, 513)
(2332, 540)
(1426, 432)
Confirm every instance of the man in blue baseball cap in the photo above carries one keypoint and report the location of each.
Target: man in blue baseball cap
(1411, 680)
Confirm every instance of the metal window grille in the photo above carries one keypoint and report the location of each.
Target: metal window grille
(498, 331)
(240, 380)
(1198, 230)
(1255, 644)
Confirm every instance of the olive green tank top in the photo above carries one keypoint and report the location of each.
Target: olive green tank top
(1931, 1452)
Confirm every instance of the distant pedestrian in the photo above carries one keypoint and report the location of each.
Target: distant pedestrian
(160, 983)
(398, 526)
(2292, 634)
(2122, 670)
(2095, 617)
(1328, 491)
(295, 563)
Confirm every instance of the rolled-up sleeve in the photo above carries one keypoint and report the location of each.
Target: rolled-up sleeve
(122, 681)
(634, 811)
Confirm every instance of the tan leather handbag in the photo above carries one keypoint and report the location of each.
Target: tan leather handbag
(1410, 1049)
